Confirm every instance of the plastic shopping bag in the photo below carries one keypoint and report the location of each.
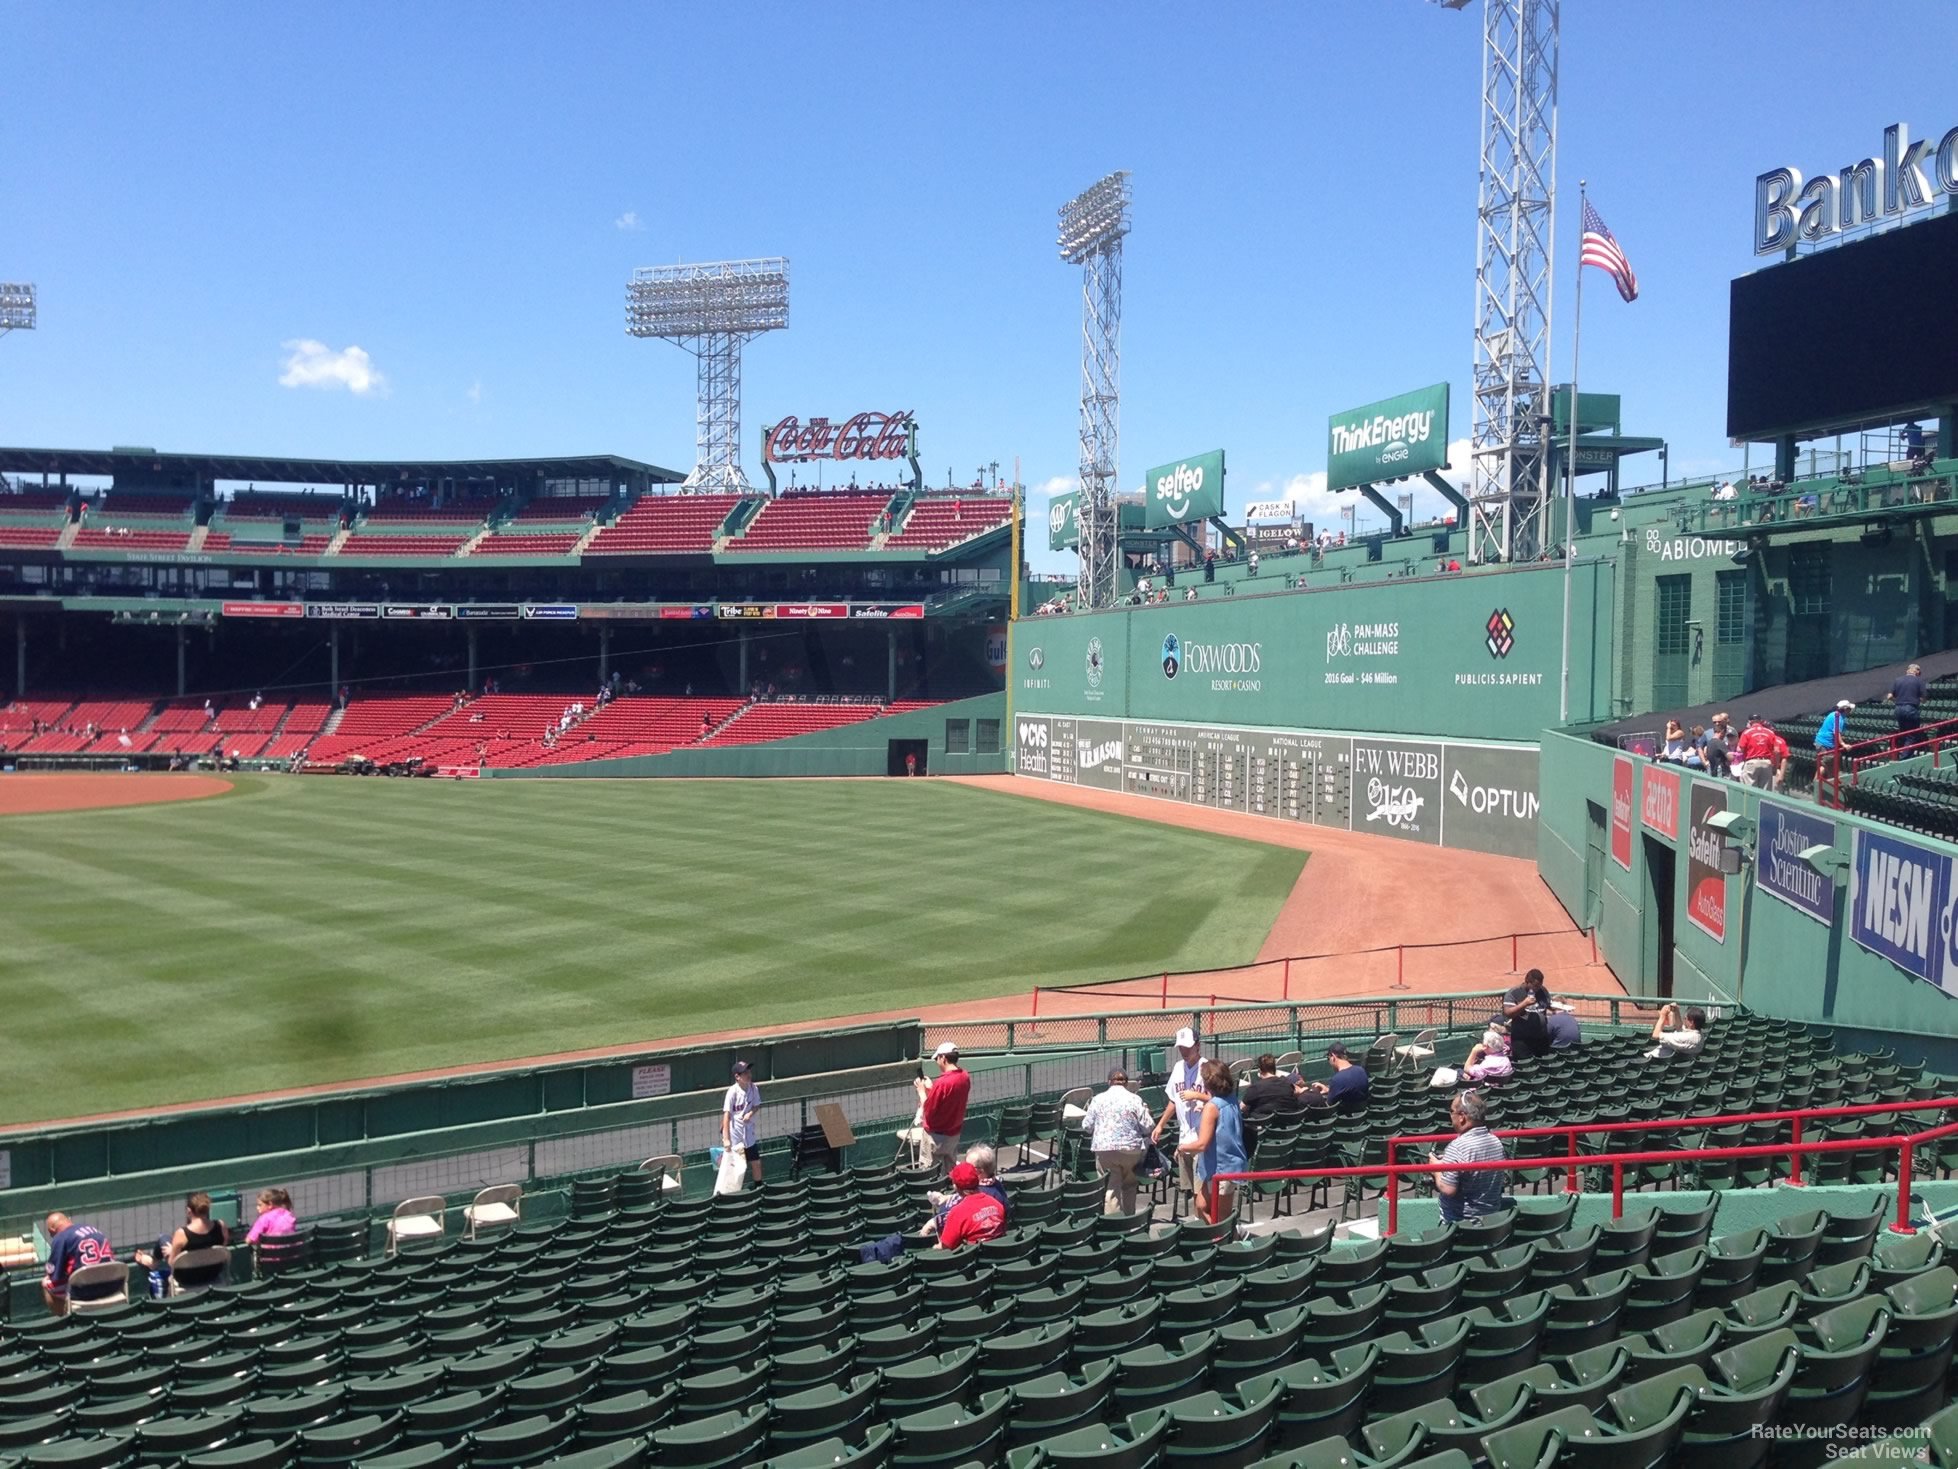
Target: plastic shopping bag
(734, 1169)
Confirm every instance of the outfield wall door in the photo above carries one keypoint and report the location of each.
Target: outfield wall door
(1672, 641)
(1594, 845)
(1656, 936)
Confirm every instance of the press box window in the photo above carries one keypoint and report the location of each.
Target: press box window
(985, 737)
(958, 736)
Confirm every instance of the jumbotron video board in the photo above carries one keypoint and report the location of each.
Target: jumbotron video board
(1862, 333)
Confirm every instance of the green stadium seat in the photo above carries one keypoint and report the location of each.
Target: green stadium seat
(255, 1453)
(724, 1439)
(1137, 1443)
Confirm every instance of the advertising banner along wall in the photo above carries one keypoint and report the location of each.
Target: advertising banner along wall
(1900, 900)
(1622, 778)
(1658, 807)
(1786, 832)
(1063, 521)
(1190, 489)
(1706, 884)
(1398, 436)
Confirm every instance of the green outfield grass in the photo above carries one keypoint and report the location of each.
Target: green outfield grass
(314, 930)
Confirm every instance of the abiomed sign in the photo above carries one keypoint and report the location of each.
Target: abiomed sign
(1190, 489)
(1390, 439)
(1906, 176)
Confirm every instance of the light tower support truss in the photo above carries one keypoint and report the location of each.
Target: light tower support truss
(1092, 227)
(1515, 226)
(711, 310)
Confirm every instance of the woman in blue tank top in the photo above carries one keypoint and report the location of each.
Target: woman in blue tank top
(1219, 1142)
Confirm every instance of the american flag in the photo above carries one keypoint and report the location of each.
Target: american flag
(1597, 247)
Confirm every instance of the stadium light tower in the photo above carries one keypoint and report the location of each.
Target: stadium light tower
(17, 308)
(1515, 224)
(711, 310)
(1092, 227)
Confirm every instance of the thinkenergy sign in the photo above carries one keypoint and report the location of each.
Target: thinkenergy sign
(1906, 176)
(1387, 440)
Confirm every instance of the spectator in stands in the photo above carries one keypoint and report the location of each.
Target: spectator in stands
(1488, 1059)
(1763, 754)
(275, 1216)
(1907, 693)
(1829, 740)
(1117, 1123)
(1349, 1086)
(1470, 1195)
(1914, 444)
(944, 1107)
(976, 1216)
(1676, 747)
(1218, 1146)
(1527, 1009)
(197, 1232)
(739, 1109)
(1726, 491)
(1251, 564)
(1186, 1096)
(1563, 1030)
(72, 1247)
(1714, 747)
(1269, 1089)
(1674, 1038)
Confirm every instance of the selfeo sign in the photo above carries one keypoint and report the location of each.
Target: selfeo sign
(1903, 177)
(1190, 489)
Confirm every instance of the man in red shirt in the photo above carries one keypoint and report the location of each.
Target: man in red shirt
(944, 1107)
(1760, 754)
(975, 1216)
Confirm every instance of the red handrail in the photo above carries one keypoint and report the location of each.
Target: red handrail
(1906, 1145)
(1877, 748)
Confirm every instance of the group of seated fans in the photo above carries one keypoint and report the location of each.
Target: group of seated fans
(1006, 1293)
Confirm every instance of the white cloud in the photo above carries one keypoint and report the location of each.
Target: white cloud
(628, 223)
(475, 391)
(313, 364)
(1060, 484)
(1325, 508)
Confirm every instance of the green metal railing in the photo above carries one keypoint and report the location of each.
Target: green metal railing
(1820, 503)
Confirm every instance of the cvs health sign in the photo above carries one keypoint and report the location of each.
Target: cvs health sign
(1621, 812)
(1900, 901)
(1659, 807)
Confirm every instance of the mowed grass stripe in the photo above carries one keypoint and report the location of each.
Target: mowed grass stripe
(306, 931)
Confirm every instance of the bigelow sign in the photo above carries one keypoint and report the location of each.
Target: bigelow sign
(1904, 176)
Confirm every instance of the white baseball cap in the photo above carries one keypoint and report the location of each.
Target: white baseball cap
(945, 1048)
(1186, 1038)
(1844, 704)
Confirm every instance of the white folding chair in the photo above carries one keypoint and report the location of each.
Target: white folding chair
(422, 1217)
(1416, 1051)
(90, 1277)
(667, 1166)
(1074, 1103)
(496, 1207)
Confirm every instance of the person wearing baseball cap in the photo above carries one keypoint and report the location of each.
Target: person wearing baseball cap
(739, 1109)
(1829, 740)
(1349, 1085)
(976, 1216)
(1187, 1095)
(944, 1107)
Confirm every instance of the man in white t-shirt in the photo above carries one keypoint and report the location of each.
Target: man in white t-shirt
(739, 1109)
(1187, 1094)
(1673, 1036)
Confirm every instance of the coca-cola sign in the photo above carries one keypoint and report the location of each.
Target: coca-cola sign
(861, 436)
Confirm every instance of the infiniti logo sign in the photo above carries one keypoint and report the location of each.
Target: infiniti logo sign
(1036, 658)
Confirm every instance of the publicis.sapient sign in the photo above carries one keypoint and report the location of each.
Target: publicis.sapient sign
(1190, 489)
(1904, 176)
(861, 436)
(1395, 437)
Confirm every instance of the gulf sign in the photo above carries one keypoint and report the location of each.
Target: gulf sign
(1621, 812)
(1658, 807)
(1900, 900)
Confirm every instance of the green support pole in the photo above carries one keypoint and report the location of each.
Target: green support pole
(183, 642)
(604, 651)
(470, 638)
(20, 656)
(890, 663)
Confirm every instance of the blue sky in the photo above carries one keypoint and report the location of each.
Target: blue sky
(461, 194)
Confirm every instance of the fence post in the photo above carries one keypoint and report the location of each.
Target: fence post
(1904, 1160)
(1514, 964)
(1393, 1191)
(1617, 1190)
(1570, 1170)
(1287, 992)
(1400, 966)
(1594, 945)
(1795, 1158)
(1036, 1002)
(1165, 989)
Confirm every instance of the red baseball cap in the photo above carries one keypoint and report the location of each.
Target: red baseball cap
(964, 1175)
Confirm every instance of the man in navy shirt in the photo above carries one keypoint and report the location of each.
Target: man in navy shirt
(1347, 1088)
(1907, 693)
(73, 1247)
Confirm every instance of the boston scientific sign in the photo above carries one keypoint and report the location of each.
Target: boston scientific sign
(1902, 177)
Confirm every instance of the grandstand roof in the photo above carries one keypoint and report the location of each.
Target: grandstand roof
(279, 469)
(1788, 701)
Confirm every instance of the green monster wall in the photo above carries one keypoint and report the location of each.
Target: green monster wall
(1474, 656)
(1616, 845)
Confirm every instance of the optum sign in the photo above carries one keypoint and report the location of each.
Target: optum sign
(1190, 489)
(1390, 439)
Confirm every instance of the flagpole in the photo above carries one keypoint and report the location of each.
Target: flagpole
(1570, 462)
